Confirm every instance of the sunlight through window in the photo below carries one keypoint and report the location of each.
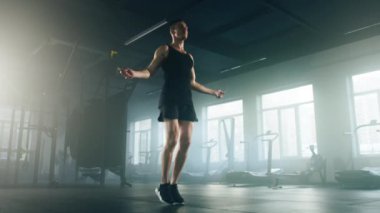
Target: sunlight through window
(366, 96)
(225, 124)
(290, 113)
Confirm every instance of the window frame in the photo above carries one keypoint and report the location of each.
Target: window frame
(352, 95)
(136, 159)
(296, 108)
(219, 119)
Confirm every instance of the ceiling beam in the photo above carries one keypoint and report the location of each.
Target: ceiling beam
(210, 41)
(236, 23)
(292, 16)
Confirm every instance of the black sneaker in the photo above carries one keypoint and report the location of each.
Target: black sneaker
(163, 193)
(177, 198)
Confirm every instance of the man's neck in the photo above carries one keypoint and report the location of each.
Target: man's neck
(178, 44)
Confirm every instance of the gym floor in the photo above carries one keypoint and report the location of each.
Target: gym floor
(199, 199)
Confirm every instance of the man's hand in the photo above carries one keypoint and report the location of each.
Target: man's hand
(219, 93)
(127, 73)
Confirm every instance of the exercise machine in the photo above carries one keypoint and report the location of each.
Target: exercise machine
(365, 178)
(266, 178)
(208, 145)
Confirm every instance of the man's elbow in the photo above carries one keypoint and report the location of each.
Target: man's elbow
(193, 84)
(148, 74)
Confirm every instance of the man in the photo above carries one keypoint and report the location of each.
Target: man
(176, 105)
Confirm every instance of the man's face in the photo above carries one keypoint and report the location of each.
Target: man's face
(180, 31)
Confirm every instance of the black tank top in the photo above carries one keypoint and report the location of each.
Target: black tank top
(177, 78)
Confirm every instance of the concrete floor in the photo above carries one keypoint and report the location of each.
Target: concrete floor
(199, 199)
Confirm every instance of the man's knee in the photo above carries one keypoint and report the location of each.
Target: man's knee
(173, 135)
(171, 140)
(170, 145)
(185, 142)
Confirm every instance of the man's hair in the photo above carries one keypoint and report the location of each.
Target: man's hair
(173, 23)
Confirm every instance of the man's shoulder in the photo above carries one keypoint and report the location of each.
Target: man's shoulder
(162, 50)
(163, 47)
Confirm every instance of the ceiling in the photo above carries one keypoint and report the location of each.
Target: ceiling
(56, 45)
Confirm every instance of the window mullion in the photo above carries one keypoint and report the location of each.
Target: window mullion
(378, 103)
(298, 131)
(280, 133)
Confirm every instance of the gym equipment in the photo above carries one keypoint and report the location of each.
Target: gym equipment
(229, 135)
(257, 178)
(96, 138)
(226, 136)
(316, 165)
(206, 175)
(365, 178)
(22, 162)
(208, 145)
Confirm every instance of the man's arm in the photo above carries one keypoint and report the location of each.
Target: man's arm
(200, 88)
(160, 54)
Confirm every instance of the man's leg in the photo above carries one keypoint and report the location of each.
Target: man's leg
(172, 132)
(185, 128)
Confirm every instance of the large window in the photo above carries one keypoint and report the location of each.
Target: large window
(225, 125)
(289, 113)
(141, 150)
(9, 134)
(366, 98)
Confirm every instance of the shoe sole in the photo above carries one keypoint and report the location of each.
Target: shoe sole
(178, 204)
(160, 198)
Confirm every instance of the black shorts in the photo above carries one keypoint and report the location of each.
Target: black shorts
(180, 112)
